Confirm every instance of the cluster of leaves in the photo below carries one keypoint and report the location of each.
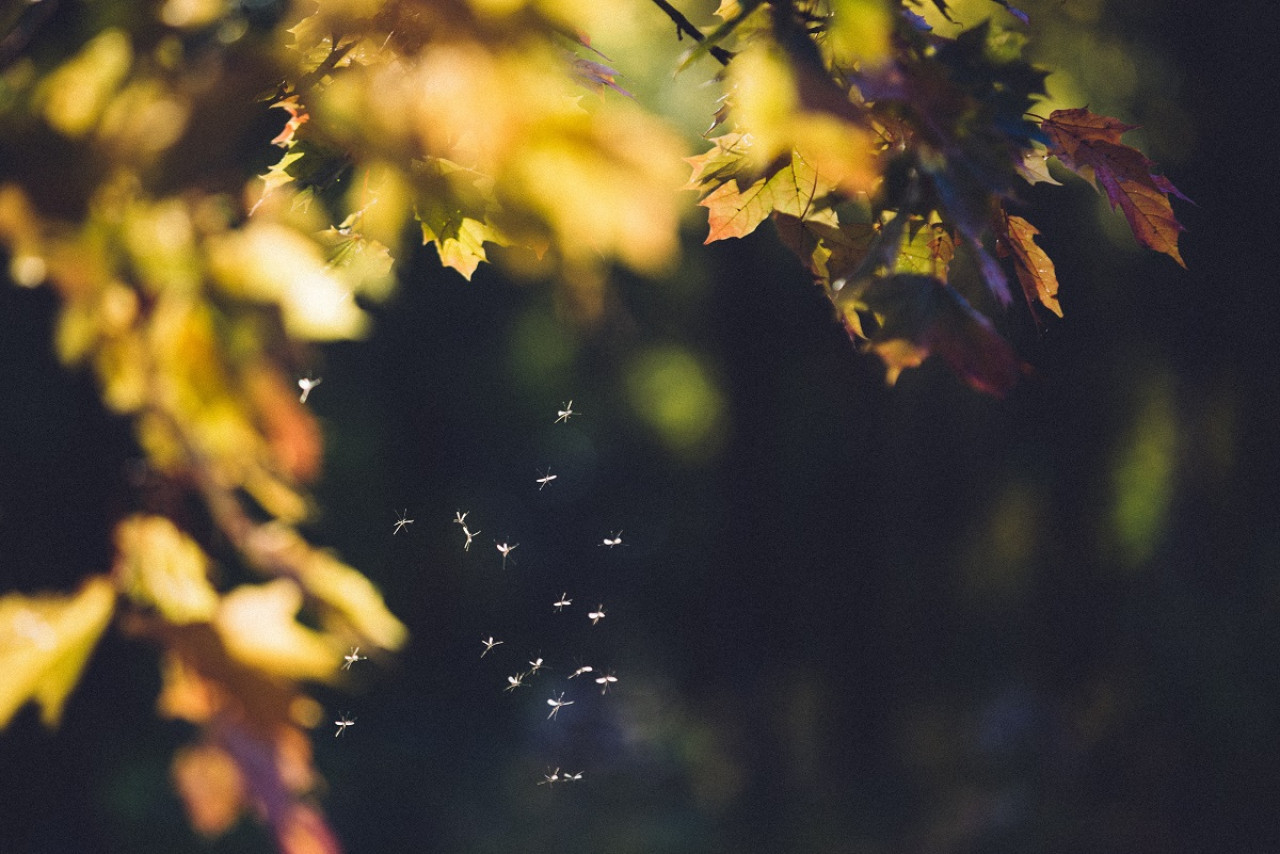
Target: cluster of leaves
(886, 155)
(192, 318)
(474, 119)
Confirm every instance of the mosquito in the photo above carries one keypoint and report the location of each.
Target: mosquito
(597, 615)
(563, 602)
(605, 681)
(550, 779)
(564, 414)
(306, 384)
(401, 522)
(343, 722)
(535, 666)
(556, 704)
(506, 550)
(586, 668)
(352, 657)
(614, 539)
(466, 547)
(545, 479)
(514, 682)
(571, 777)
(489, 643)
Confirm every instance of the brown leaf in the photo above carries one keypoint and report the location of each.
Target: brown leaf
(1034, 267)
(252, 720)
(1089, 145)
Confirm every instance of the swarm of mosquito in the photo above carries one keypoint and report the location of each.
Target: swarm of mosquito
(537, 663)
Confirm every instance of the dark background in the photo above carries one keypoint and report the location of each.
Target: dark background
(869, 619)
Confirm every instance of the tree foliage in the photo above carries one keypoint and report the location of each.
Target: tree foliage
(888, 157)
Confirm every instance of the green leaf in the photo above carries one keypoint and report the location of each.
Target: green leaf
(458, 239)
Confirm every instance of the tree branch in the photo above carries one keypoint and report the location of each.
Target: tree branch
(683, 25)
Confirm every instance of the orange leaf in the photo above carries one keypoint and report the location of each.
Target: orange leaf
(1034, 267)
(298, 116)
(211, 787)
(1089, 145)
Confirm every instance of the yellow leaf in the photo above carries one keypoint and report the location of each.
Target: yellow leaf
(74, 96)
(44, 644)
(859, 31)
(269, 262)
(342, 591)
(354, 598)
(459, 240)
(792, 190)
(783, 112)
(159, 566)
(256, 625)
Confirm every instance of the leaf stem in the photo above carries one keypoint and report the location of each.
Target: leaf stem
(683, 25)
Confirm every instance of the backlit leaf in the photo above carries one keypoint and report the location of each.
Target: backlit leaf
(789, 189)
(1033, 266)
(211, 787)
(44, 644)
(459, 240)
(1090, 146)
(160, 567)
(257, 624)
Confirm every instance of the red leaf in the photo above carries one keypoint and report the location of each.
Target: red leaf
(1089, 145)
(921, 317)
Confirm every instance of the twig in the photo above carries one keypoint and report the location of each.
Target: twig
(683, 25)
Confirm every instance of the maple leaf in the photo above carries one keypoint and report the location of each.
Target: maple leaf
(790, 189)
(1034, 167)
(159, 566)
(1089, 145)
(919, 316)
(1035, 269)
(928, 251)
(828, 248)
(256, 625)
(458, 239)
(726, 159)
(211, 786)
(45, 642)
(298, 116)
(276, 177)
(254, 753)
